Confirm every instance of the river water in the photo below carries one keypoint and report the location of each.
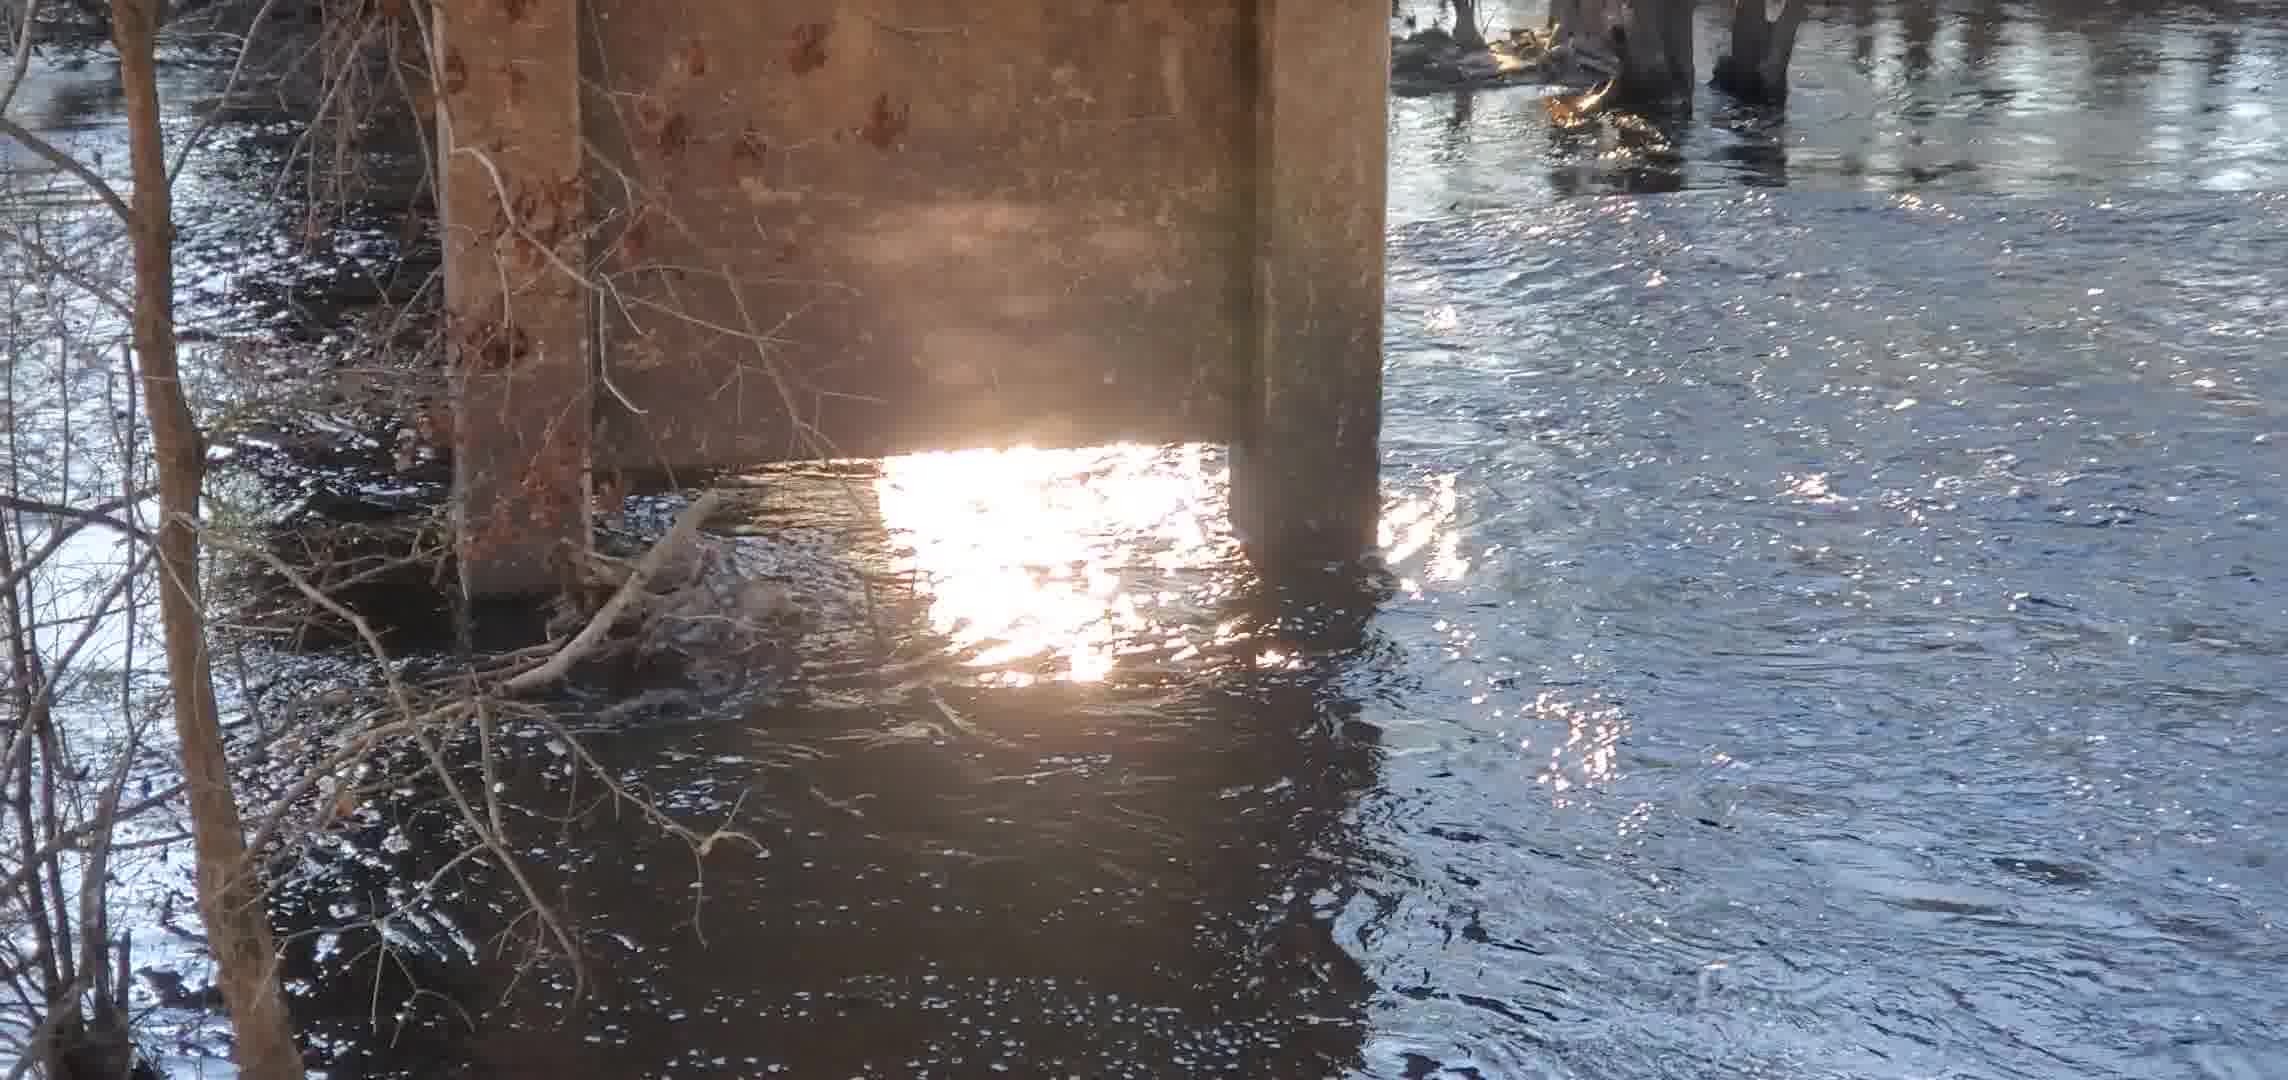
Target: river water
(1839, 631)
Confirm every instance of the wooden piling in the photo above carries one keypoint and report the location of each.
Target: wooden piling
(517, 314)
(1305, 473)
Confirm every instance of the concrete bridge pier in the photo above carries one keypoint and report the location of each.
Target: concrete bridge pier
(684, 235)
(1305, 458)
(517, 298)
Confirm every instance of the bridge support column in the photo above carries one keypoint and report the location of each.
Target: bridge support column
(513, 211)
(1305, 472)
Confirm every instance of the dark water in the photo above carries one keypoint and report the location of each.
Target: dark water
(1840, 633)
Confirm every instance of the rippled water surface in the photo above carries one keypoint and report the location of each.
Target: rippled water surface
(1839, 631)
(1839, 636)
(1867, 661)
(1997, 96)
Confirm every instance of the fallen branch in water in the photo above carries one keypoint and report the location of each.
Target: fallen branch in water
(679, 536)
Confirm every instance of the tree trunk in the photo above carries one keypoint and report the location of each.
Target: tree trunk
(1581, 26)
(1466, 32)
(1649, 44)
(230, 889)
(1755, 68)
(1655, 49)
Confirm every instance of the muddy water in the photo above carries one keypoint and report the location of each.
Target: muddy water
(1838, 631)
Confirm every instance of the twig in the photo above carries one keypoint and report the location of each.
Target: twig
(22, 61)
(335, 764)
(494, 843)
(46, 1030)
(229, 90)
(75, 518)
(69, 839)
(55, 156)
(49, 261)
(91, 515)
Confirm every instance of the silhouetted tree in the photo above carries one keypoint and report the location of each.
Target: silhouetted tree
(1466, 32)
(1755, 67)
(1649, 43)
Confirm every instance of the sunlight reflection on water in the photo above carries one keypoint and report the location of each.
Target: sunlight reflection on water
(1060, 564)
(1072, 557)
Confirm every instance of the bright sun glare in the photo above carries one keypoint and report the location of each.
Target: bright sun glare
(1058, 563)
(1066, 556)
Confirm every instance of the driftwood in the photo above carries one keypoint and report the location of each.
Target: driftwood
(680, 537)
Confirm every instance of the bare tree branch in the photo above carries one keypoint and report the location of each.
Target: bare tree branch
(32, 141)
(229, 88)
(81, 514)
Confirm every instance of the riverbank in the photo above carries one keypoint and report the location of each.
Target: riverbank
(1432, 60)
(1429, 61)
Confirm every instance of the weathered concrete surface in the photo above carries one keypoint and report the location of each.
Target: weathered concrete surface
(948, 223)
(1305, 480)
(516, 317)
(856, 228)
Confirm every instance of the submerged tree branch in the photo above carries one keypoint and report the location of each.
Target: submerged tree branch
(679, 536)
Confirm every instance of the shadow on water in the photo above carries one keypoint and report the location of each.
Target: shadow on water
(1095, 823)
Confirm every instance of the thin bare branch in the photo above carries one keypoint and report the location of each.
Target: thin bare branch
(54, 155)
(81, 514)
(21, 62)
(478, 821)
(229, 90)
